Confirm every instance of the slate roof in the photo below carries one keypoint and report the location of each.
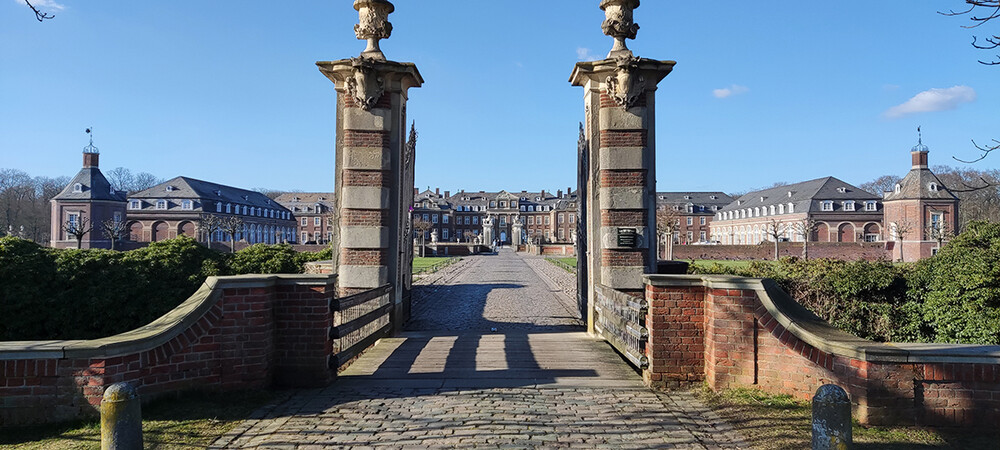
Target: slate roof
(205, 191)
(305, 202)
(95, 187)
(805, 196)
(917, 185)
(704, 200)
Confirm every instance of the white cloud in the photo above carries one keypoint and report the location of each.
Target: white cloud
(730, 91)
(933, 100)
(45, 5)
(583, 54)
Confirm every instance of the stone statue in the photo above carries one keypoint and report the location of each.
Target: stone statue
(373, 18)
(626, 85)
(619, 25)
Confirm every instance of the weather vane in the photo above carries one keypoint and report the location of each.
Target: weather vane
(90, 148)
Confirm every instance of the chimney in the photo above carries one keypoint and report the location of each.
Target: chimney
(437, 191)
(91, 159)
(447, 193)
(919, 159)
(559, 193)
(543, 193)
(569, 191)
(416, 192)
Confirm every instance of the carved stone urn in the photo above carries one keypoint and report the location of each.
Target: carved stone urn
(618, 24)
(373, 18)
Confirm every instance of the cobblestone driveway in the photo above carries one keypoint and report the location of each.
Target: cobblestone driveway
(495, 356)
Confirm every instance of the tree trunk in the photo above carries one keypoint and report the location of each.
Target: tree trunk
(775, 248)
(805, 249)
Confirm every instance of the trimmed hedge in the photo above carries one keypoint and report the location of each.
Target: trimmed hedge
(85, 294)
(952, 297)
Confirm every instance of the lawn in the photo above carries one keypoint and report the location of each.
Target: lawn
(569, 264)
(424, 265)
(782, 422)
(190, 421)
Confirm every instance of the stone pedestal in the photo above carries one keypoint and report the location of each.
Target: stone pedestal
(371, 177)
(619, 101)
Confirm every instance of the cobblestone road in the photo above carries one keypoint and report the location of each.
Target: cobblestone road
(495, 356)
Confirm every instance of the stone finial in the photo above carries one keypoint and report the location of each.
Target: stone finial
(373, 18)
(619, 25)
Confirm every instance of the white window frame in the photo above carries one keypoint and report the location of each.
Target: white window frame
(827, 205)
(161, 204)
(702, 221)
(849, 205)
(690, 220)
(77, 187)
(134, 204)
(871, 205)
(317, 221)
(444, 218)
(187, 205)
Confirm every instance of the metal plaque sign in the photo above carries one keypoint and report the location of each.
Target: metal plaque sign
(627, 237)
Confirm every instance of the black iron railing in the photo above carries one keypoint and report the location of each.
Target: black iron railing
(621, 320)
(358, 321)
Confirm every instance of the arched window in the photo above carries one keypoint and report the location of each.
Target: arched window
(77, 187)
(229, 208)
(791, 208)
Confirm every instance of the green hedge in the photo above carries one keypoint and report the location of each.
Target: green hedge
(952, 297)
(84, 294)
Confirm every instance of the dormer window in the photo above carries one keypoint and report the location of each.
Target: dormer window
(161, 204)
(898, 187)
(687, 197)
(714, 197)
(762, 199)
(169, 188)
(871, 205)
(791, 208)
(134, 204)
(187, 205)
(849, 205)
(789, 194)
(842, 190)
(933, 187)
(218, 207)
(77, 187)
(827, 205)
(229, 208)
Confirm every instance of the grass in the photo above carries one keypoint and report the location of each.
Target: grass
(783, 422)
(431, 264)
(192, 420)
(568, 264)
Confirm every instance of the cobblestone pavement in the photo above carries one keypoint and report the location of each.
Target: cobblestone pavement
(450, 380)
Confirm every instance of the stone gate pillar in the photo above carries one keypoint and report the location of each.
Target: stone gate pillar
(619, 129)
(372, 199)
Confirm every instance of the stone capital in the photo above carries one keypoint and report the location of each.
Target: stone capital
(394, 76)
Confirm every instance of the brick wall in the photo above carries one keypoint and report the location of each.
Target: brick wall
(243, 332)
(751, 334)
(848, 251)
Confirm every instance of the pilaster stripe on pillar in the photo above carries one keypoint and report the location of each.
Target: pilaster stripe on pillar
(624, 138)
(621, 257)
(353, 177)
(364, 217)
(356, 257)
(624, 217)
(622, 178)
(366, 138)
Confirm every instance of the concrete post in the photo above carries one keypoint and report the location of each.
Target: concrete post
(619, 126)
(372, 158)
(121, 418)
(831, 424)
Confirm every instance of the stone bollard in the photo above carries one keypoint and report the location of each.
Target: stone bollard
(831, 410)
(121, 418)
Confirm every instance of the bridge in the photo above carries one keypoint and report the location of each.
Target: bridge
(495, 354)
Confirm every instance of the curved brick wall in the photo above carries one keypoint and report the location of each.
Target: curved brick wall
(732, 331)
(238, 332)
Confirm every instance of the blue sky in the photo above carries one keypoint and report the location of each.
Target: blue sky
(228, 91)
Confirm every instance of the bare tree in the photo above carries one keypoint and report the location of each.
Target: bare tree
(114, 230)
(209, 224)
(78, 228)
(38, 14)
(939, 232)
(899, 230)
(805, 228)
(775, 230)
(232, 225)
(668, 221)
(123, 179)
(880, 185)
(980, 12)
(422, 226)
